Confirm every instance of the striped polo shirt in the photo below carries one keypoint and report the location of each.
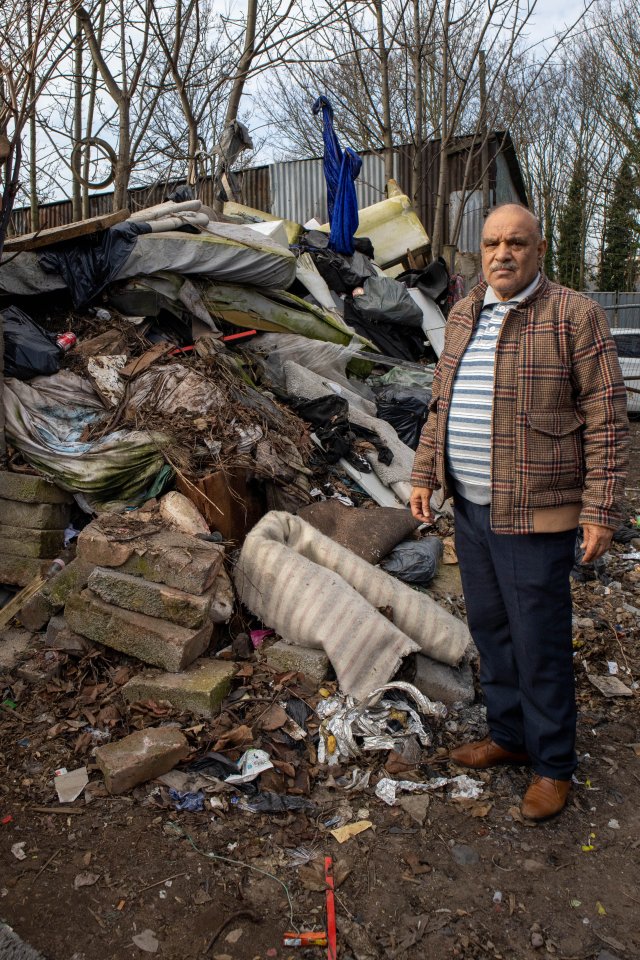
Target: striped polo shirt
(470, 412)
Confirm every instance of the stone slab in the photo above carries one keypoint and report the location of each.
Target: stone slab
(53, 594)
(32, 543)
(36, 516)
(283, 657)
(19, 571)
(200, 689)
(156, 554)
(65, 640)
(154, 641)
(154, 599)
(438, 681)
(141, 756)
(28, 488)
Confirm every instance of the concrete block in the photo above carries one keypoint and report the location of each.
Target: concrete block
(23, 542)
(19, 571)
(141, 756)
(200, 689)
(53, 594)
(283, 657)
(163, 556)
(36, 516)
(154, 599)
(28, 488)
(438, 681)
(154, 641)
(66, 641)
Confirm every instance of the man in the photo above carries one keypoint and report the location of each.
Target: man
(528, 431)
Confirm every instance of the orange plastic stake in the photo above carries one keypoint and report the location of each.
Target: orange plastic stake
(332, 946)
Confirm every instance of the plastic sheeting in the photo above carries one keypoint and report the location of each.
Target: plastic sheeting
(45, 421)
(88, 264)
(303, 383)
(223, 251)
(326, 359)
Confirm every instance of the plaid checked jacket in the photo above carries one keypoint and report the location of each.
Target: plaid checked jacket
(560, 432)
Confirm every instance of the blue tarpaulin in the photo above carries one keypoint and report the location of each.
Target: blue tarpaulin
(341, 169)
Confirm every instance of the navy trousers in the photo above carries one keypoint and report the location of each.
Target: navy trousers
(518, 601)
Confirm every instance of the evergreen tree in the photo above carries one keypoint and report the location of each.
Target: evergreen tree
(620, 242)
(570, 253)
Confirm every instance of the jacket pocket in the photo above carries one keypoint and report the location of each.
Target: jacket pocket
(555, 423)
(553, 458)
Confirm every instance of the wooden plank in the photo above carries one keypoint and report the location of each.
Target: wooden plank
(69, 231)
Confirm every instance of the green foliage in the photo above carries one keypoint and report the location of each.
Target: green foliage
(570, 254)
(620, 242)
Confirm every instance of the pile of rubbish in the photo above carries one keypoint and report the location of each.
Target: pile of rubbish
(211, 422)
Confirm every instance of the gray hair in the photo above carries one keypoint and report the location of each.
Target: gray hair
(518, 206)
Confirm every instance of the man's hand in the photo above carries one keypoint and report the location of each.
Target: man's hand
(595, 541)
(420, 504)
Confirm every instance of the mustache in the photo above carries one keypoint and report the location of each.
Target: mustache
(503, 266)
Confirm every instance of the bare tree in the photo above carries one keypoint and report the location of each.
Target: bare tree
(31, 47)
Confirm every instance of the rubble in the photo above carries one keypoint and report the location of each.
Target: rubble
(284, 656)
(200, 689)
(141, 756)
(154, 641)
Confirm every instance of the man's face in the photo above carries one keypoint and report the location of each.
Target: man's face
(511, 251)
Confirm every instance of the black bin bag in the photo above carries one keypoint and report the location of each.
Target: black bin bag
(29, 351)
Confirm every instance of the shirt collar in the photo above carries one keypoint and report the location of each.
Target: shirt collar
(491, 298)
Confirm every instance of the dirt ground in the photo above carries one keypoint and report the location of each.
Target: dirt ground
(471, 881)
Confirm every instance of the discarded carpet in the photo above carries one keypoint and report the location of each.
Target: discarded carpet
(318, 594)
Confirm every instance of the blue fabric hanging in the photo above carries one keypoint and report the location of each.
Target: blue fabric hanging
(341, 169)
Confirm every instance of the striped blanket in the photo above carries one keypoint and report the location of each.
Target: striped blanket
(318, 594)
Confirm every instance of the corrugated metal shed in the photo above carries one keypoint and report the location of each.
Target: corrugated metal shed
(299, 192)
(296, 189)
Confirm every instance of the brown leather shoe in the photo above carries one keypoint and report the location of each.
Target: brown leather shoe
(545, 798)
(485, 753)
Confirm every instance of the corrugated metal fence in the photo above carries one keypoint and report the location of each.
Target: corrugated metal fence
(622, 308)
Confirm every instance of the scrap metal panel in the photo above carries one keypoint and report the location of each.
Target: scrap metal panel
(299, 192)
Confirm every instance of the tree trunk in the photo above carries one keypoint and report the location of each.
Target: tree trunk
(387, 133)
(76, 195)
(442, 198)
(417, 167)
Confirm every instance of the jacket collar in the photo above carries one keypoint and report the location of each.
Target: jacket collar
(477, 294)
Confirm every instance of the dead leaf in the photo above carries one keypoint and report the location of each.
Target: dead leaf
(287, 768)
(480, 809)
(275, 717)
(636, 748)
(85, 879)
(234, 738)
(342, 834)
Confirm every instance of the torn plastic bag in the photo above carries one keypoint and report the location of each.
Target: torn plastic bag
(89, 264)
(343, 273)
(337, 434)
(462, 787)
(275, 803)
(386, 301)
(414, 561)
(406, 410)
(191, 802)
(380, 722)
(29, 351)
(327, 359)
(433, 282)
